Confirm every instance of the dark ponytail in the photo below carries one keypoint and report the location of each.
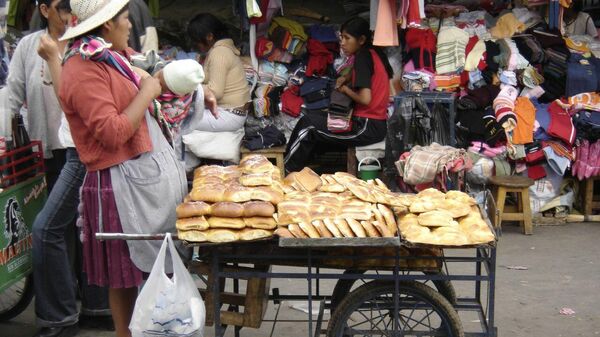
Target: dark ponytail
(358, 27)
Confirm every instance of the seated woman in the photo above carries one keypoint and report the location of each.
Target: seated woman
(369, 88)
(225, 75)
(578, 22)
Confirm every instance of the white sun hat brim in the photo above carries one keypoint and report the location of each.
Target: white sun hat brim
(106, 13)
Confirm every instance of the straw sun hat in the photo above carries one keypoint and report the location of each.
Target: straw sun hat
(91, 14)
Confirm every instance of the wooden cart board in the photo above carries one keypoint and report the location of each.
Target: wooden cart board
(340, 242)
(218, 244)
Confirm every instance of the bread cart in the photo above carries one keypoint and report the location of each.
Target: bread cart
(384, 286)
(23, 195)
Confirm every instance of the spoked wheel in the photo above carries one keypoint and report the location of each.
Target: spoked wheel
(343, 287)
(369, 311)
(16, 298)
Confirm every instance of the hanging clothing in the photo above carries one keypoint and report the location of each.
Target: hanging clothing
(451, 46)
(386, 29)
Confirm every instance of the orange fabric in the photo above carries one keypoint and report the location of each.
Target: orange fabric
(525, 111)
(386, 30)
(93, 96)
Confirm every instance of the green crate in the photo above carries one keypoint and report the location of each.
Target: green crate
(19, 205)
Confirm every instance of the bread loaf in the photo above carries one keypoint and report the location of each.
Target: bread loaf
(248, 234)
(456, 208)
(258, 208)
(191, 236)
(333, 228)
(322, 229)
(221, 235)
(344, 228)
(309, 230)
(461, 196)
(269, 194)
(292, 211)
(208, 193)
(238, 193)
(422, 205)
(227, 209)
(195, 223)
(388, 216)
(256, 179)
(219, 222)
(371, 231)
(297, 232)
(192, 209)
(255, 163)
(357, 228)
(260, 223)
(431, 193)
(436, 219)
(383, 229)
(283, 232)
(307, 180)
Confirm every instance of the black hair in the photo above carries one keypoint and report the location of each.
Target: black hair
(61, 5)
(98, 30)
(577, 6)
(204, 24)
(358, 27)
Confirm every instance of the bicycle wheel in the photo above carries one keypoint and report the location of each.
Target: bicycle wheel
(369, 311)
(16, 298)
(343, 287)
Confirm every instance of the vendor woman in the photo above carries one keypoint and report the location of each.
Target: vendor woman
(369, 88)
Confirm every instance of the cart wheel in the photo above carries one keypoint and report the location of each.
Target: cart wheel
(369, 311)
(343, 287)
(16, 298)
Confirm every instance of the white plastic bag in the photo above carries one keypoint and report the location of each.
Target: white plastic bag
(168, 307)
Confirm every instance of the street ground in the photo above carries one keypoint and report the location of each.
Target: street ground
(561, 270)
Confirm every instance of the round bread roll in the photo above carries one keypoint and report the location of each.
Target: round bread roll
(191, 236)
(371, 231)
(344, 228)
(357, 228)
(322, 229)
(452, 239)
(192, 209)
(221, 235)
(238, 193)
(389, 217)
(422, 205)
(461, 196)
(297, 232)
(249, 234)
(260, 222)
(266, 194)
(456, 208)
(435, 219)
(255, 163)
(480, 236)
(208, 193)
(227, 209)
(258, 208)
(309, 230)
(196, 223)
(256, 179)
(283, 232)
(332, 227)
(219, 222)
(431, 193)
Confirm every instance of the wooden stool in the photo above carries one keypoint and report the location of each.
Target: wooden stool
(589, 204)
(519, 185)
(275, 152)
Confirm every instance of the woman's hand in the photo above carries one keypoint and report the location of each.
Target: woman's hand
(340, 82)
(48, 48)
(150, 86)
(210, 102)
(344, 89)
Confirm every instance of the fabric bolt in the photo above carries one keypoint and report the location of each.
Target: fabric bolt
(525, 112)
(561, 124)
(506, 26)
(107, 263)
(386, 29)
(451, 45)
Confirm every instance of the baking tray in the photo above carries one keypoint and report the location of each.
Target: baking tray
(488, 210)
(340, 242)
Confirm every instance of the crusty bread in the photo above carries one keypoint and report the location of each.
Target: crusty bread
(461, 196)
(383, 229)
(422, 205)
(356, 209)
(237, 193)
(389, 217)
(255, 163)
(371, 231)
(357, 228)
(436, 219)
(283, 232)
(208, 193)
(431, 193)
(307, 180)
(227, 209)
(257, 179)
(260, 222)
(344, 228)
(192, 209)
(292, 211)
(455, 207)
(248, 234)
(191, 236)
(320, 211)
(322, 229)
(479, 236)
(219, 222)
(333, 228)
(309, 230)
(221, 235)
(258, 208)
(195, 223)
(267, 193)
(297, 232)
(361, 192)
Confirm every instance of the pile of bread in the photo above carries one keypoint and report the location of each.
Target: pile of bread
(448, 219)
(335, 206)
(231, 203)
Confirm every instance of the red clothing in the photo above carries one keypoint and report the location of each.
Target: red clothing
(380, 92)
(93, 96)
(318, 58)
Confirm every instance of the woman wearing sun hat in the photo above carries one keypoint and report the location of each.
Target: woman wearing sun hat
(134, 180)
